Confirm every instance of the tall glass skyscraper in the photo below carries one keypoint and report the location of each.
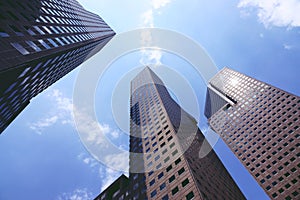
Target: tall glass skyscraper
(260, 123)
(40, 42)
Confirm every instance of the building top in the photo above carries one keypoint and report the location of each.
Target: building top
(115, 190)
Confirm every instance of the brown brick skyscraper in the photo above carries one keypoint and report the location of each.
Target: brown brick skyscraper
(167, 142)
(260, 123)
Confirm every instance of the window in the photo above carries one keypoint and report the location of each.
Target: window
(160, 175)
(162, 186)
(158, 166)
(3, 33)
(44, 44)
(190, 195)
(33, 46)
(59, 41)
(172, 145)
(175, 190)
(167, 159)
(177, 161)
(153, 193)
(39, 30)
(116, 193)
(45, 28)
(24, 72)
(136, 186)
(150, 164)
(152, 182)
(174, 152)
(185, 182)
(181, 171)
(162, 137)
(20, 48)
(157, 157)
(169, 168)
(280, 190)
(164, 151)
(166, 197)
(167, 132)
(172, 178)
(52, 42)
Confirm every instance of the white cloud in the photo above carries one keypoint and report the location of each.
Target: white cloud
(281, 13)
(93, 132)
(43, 123)
(108, 176)
(115, 134)
(147, 18)
(88, 160)
(63, 103)
(156, 4)
(151, 57)
(118, 160)
(288, 47)
(60, 111)
(77, 194)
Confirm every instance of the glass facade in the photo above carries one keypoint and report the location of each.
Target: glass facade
(41, 41)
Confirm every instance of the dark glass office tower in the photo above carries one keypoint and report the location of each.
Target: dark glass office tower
(40, 42)
(167, 143)
(260, 123)
(117, 190)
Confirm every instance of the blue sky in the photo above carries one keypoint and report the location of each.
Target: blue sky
(42, 156)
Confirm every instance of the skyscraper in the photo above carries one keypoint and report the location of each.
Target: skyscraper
(260, 123)
(41, 41)
(165, 143)
(117, 190)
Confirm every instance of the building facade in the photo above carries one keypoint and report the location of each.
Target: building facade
(165, 143)
(40, 42)
(117, 190)
(260, 123)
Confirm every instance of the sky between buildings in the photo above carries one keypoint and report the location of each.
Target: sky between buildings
(42, 156)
